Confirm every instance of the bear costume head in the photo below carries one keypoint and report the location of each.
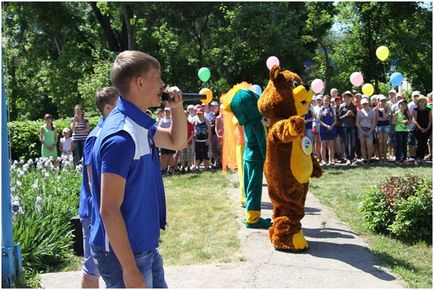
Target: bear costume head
(285, 95)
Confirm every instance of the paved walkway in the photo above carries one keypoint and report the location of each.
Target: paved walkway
(337, 258)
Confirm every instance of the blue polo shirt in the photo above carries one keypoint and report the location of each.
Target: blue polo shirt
(125, 147)
(85, 205)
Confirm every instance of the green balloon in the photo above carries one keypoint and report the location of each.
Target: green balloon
(204, 74)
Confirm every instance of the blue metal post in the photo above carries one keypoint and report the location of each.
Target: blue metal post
(11, 255)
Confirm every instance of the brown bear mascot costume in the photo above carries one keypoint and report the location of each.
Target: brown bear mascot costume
(289, 160)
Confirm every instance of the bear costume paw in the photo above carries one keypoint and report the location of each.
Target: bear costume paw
(283, 240)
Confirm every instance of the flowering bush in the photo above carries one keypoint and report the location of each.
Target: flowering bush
(401, 206)
(44, 197)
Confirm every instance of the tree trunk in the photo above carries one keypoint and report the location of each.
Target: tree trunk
(329, 68)
(127, 12)
(104, 21)
(59, 51)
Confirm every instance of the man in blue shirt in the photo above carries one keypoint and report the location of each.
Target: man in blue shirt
(127, 188)
(105, 100)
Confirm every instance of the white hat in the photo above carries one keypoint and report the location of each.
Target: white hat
(392, 91)
(364, 101)
(374, 97)
(347, 93)
(190, 107)
(318, 97)
(415, 93)
(382, 97)
(167, 109)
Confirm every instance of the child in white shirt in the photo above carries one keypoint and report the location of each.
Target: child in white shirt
(66, 145)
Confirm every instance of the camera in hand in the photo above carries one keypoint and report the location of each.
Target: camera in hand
(188, 97)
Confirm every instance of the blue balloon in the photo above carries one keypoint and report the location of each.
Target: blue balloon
(307, 63)
(257, 89)
(396, 79)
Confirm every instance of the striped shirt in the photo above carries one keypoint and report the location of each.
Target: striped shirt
(79, 134)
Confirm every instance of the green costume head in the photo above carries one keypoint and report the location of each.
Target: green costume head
(244, 105)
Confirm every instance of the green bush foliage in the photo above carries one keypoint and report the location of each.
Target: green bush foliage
(24, 136)
(44, 199)
(402, 207)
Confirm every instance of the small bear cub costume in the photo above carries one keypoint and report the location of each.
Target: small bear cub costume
(289, 160)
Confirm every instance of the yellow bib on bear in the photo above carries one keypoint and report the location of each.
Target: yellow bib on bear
(301, 162)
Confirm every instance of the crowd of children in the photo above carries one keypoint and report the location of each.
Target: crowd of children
(346, 129)
(205, 133)
(355, 128)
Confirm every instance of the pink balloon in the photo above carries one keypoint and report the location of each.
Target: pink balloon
(356, 79)
(317, 86)
(271, 61)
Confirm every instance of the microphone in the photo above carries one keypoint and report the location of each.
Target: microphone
(189, 97)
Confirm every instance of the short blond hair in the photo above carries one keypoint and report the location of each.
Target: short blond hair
(129, 64)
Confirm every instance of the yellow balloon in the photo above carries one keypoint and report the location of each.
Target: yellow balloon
(382, 53)
(208, 94)
(368, 89)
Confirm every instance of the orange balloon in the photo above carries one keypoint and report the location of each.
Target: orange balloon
(208, 93)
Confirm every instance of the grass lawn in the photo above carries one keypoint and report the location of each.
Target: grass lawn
(341, 189)
(202, 221)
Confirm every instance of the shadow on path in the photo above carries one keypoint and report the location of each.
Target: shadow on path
(266, 205)
(327, 233)
(311, 210)
(355, 255)
(307, 210)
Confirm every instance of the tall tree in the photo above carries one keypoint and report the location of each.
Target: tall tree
(366, 26)
(320, 18)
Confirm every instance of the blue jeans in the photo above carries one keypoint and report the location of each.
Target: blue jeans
(349, 142)
(391, 141)
(150, 264)
(401, 145)
(89, 268)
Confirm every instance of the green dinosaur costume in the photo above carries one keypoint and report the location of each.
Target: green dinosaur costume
(244, 106)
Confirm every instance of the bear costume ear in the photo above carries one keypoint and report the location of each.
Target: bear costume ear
(274, 72)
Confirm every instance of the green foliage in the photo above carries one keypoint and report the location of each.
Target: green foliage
(90, 83)
(401, 206)
(24, 139)
(44, 199)
(377, 215)
(46, 50)
(24, 136)
(413, 221)
(56, 54)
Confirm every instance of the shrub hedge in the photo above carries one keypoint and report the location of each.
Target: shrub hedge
(24, 136)
(400, 206)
